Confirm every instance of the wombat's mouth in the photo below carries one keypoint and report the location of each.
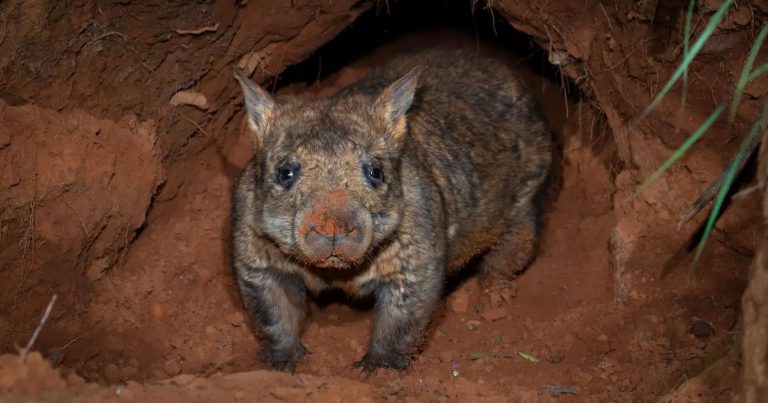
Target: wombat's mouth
(333, 262)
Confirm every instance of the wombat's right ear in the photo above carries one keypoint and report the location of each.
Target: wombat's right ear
(259, 105)
(393, 103)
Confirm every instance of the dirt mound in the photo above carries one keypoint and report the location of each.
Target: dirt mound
(29, 379)
(78, 190)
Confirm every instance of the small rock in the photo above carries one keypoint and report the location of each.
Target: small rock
(288, 393)
(459, 301)
(664, 214)
(494, 314)
(602, 337)
(473, 324)
(741, 17)
(236, 319)
(333, 317)
(157, 311)
(561, 390)
(5, 139)
(496, 299)
(239, 395)
(55, 356)
(156, 374)
(702, 329)
(171, 367)
(445, 356)
(508, 293)
(211, 332)
(555, 357)
(177, 342)
(395, 387)
(184, 379)
(73, 379)
(355, 346)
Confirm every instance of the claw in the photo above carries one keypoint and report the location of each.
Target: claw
(284, 360)
(372, 362)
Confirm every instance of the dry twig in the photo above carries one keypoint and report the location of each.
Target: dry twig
(39, 327)
(196, 125)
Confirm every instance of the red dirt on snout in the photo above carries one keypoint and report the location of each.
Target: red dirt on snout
(325, 215)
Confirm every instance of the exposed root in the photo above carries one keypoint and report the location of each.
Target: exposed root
(82, 224)
(27, 249)
(2, 38)
(120, 258)
(207, 28)
(100, 37)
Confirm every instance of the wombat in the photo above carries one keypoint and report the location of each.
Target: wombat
(383, 190)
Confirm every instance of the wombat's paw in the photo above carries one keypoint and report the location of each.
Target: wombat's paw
(284, 358)
(373, 361)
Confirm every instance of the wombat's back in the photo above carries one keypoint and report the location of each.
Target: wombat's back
(480, 135)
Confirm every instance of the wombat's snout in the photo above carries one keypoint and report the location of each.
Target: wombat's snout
(335, 231)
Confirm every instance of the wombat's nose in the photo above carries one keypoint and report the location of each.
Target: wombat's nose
(339, 232)
(332, 230)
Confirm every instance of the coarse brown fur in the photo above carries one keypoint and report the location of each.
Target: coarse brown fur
(383, 190)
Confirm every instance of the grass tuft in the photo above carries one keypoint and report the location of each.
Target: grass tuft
(686, 49)
(747, 75)
(682, 149)
(732, 170)
(725, 181)
(688, 57)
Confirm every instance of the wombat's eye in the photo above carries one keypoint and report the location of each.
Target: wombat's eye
(287, 174)
(373, 174)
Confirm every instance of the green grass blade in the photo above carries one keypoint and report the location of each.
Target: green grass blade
(746, 73)
(688, 58)
(686, 46)
(682, 149)
(756, 130)
(687, 29)
(758, 72)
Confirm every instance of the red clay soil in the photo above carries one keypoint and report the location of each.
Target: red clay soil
(120, 205)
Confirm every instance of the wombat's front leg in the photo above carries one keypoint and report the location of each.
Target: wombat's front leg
(404, 305)
(276, 301)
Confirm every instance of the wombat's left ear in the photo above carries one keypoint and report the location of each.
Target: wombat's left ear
(259, 105)
(394, 101)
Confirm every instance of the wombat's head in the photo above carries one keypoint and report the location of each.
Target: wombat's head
(329, 181)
